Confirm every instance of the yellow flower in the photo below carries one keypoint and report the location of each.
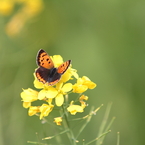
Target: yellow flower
(83, 84)
(58, 120)
(83, 97)
(28, 96)
(33, 110)
(79, 88)
(88, 82)
(45, 110)
(49, 92)
(62, 90)
(73, 109)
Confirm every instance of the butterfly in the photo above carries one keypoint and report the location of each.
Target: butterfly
(47, 73)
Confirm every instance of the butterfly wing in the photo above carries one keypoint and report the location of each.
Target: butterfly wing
(47, 76)
(55, 79)
(44, 60)
(63, 67)
(56, 75)
(42, 74)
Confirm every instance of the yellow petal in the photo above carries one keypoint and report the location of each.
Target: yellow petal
(33, 110)
(83, 97)
(59, 85)
(66, 76)
(42, 94)
(79, 88)
(50, 93)
(59, 99)
(92, 85)
(38, 85)
(58, 120)
(67, 87)
(26, 104)
(74, 73)
(80, 81)
(58, 60)
(88, 82)
(85, 78)
(73, 109)
(45, 110)
(29, 95)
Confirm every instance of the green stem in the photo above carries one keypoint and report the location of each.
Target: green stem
(50, 137)
(118, 138)
(98, 137)
(67, 126)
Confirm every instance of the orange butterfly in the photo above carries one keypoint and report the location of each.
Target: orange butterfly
(47, 73)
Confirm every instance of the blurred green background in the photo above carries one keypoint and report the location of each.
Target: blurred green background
(105, 41)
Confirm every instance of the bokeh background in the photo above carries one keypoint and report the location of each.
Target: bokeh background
(105, 41)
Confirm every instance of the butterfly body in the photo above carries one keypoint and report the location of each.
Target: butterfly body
(47, 73)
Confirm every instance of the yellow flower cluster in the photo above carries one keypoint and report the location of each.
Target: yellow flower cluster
(51, 96)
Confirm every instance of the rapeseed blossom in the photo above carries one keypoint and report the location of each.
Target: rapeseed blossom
(58, 95)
